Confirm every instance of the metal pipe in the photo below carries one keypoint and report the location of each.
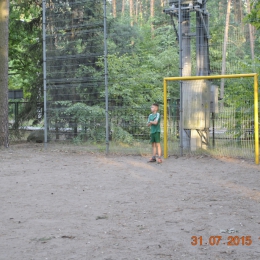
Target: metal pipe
(254, 75)
(211, 77)
(213, 128)
(44, 72)
(106, 75)
(180, 72)
(165, 119)
(256, 119)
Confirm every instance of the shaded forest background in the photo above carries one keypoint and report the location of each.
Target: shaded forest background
(142, 49)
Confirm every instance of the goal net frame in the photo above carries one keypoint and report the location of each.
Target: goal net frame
(188, 78)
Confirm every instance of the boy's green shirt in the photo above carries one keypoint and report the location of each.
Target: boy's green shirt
(155, 128)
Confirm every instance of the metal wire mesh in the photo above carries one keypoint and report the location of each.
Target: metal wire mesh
(75, 71)
(19, 117)
(230, 129)
(75, 82)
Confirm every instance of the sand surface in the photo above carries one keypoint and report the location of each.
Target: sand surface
(68, 204)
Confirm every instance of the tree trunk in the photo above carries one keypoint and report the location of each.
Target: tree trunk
(141, 12)
(152, 8)
(238, 11)
(123, 7)
(225, 49)
(152, 14)
(251, 34)
(136, 10)
(4, 18)
(114, 8)
(162, 3)
(131, 9)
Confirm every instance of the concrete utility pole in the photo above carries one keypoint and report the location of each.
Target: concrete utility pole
(195, 95)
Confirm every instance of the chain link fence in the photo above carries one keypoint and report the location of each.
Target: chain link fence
(141, 52)
(222, 127)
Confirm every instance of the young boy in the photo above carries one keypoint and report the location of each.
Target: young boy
(154, 124)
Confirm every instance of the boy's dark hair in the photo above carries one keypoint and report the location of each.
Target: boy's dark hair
(155, 104)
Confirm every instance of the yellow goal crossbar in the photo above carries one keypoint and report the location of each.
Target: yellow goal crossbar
(252, 75)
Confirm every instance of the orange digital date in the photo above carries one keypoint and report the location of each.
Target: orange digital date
(216, 240)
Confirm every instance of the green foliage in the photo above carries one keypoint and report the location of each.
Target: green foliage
(88, 120)
(139, 58)
(120, 135)
(25, 49)
(136, 77)
(25, 55)
(83, 114)
(254, 16)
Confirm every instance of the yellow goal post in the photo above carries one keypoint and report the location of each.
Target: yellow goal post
(187, 78)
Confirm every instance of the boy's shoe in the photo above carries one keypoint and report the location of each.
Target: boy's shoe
(159, 160)
(152, 160)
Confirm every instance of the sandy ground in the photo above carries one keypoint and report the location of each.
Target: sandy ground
(76, 205)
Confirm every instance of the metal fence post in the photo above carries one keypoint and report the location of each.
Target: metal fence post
(44, 70)
(165, 119)
(106, 75)
(256, 119)
(180, 69)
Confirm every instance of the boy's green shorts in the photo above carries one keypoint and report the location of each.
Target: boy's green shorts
(155, 137)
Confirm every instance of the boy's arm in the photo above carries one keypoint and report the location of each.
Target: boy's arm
(156, 120)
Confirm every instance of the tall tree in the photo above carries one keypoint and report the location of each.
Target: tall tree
(114, 8)
(141, 11)
(224, 55)
(123, 7)
(251, 33)
(162, 3)
(131, 10)
(136, 10)
(152, 8)
(25, 55)
(152, 13)
(238, 11)
(4, 19)
(254, 16)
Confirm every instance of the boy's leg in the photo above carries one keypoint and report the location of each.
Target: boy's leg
(159, 149)
(153, 159)
(154, 150)
(158, 146)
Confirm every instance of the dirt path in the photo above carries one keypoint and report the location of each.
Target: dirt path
(73, 205)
